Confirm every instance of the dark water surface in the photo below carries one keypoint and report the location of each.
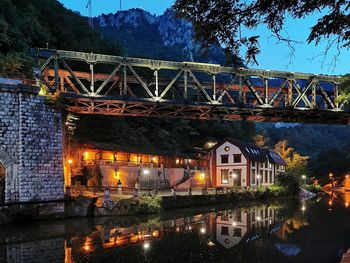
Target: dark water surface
(290, 230)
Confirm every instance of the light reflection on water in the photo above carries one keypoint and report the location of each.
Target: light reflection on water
(286, 231)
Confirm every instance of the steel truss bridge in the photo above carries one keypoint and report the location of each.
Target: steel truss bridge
(90, 83)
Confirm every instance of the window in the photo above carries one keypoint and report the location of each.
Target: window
(224, 231)
(224, 158)
(237, 232)
(237, 158)
(224, 176)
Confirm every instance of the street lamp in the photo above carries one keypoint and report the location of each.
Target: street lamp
(304, 178)
(258, 178)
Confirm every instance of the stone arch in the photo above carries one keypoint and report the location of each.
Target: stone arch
(8, 177)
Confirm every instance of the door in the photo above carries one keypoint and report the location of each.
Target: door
(2, 183)
(237, 177)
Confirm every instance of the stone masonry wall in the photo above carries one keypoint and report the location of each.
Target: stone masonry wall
(30, 145)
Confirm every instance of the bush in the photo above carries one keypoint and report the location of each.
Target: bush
(289, 181)
(150, 205)
(277, 190)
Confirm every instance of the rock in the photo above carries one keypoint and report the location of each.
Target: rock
(304, 194)
(80, 207)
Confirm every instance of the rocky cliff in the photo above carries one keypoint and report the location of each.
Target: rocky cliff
(164, 37)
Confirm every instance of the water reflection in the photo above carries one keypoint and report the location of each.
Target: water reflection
(265, 233)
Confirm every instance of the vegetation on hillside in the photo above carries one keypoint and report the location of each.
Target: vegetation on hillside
(174, 135)
(42, 23)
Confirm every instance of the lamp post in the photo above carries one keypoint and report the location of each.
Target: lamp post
(258, 178)
(304, 178)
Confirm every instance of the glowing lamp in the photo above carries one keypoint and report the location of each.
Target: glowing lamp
(70, 161)
(145, 172)
(146, 246)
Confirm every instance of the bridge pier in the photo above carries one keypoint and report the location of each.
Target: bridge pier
(30, 146)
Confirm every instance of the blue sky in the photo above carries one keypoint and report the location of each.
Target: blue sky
(307, 58)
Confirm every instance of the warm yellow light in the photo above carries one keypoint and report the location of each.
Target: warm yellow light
(145, 172)
(211, 243)
(177, 161)
(87, 248)
(330, 202)
(346, 204)
(117, 174)
(70, 161)
(154, 159)
(347, 176)
(303, 208)
(234, 223)
(86, 154)
(203, 230)
(202, 175)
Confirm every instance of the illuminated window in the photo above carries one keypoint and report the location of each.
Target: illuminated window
(224, 176)
(224, 158)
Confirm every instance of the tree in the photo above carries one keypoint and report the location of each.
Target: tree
(229, 22)
(345, 88)
(296, 163)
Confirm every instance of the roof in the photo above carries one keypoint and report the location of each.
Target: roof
(276, 158)
(254, 152)
(132, 149)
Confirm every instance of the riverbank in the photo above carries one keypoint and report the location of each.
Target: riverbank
(143, 205)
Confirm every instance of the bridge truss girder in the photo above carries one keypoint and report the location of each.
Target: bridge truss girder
(190, 90)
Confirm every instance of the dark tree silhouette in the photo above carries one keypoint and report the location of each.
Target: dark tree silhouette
(227, 21)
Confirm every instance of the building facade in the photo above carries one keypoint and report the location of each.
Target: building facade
(237, 163)
(104, 165)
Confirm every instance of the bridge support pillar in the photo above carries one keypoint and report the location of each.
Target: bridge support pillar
(30, 146)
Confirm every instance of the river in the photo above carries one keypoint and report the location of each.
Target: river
(289, 230)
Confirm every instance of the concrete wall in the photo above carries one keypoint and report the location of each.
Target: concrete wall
(30, 145)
